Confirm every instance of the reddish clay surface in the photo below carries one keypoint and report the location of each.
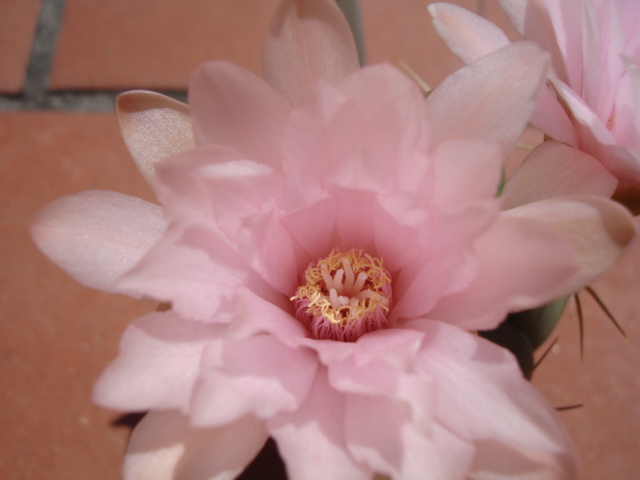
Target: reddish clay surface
(17, 25)
(56, 336)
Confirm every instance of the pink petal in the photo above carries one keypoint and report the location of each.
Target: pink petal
(233, 107)
(308, 39)
(154, 127)
(268, 247)
(413, 394)
(505, 418)
(215, 185)
(532, 20)
(551, 117)
(521, 263)
(553, 170)
(257, 315)
(164, 447)
(257, 375)
(379, 436)
(196, 271)
(311, 439)
(97, 236)
(467, 172)
(491, 99)
(312, 227)
(158, 364)
(467, 35)
(598, 230)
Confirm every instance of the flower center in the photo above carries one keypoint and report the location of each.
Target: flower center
(345, 296)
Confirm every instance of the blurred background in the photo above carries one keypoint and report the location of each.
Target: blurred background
(62, 64)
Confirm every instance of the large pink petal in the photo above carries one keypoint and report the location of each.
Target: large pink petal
(551, 117)
(268, 247)
(215, 185)
(158, 364)
(308, 39)
(311, 439)
(598, 230)
(467, 35)
(521, 263)
(532, 20)
(154, 127)
(256, 375)
(483, 398)
(553, 170)
(491, 99)
(97, 236)
(196, 271)
(413, 394)
(164, 447)
(233, 107)
(378, 435)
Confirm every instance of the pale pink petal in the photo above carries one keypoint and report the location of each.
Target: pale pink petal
(196, 271)
(307, 39)
(625, 164)
(233, 107)
(507, 419)
(467, 35)
(553, 170)
(467, 172)
(224, 189)
(532, 20)
(158, 364)
(378, 435)
(491, 99)
(413, 394)
(97, 236)
(256, 375)
(321, 133)
(154, 127)
(312, 227)
(268, 247)
(164, 447)
(521, 263)
(551, 116)
(311, 439)
(598, 230)
(258, 316)
(420, 287)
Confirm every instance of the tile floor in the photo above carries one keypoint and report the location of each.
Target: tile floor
(56, 336)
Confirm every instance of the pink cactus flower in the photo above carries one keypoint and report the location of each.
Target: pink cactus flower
(593, 99)
(324, 243)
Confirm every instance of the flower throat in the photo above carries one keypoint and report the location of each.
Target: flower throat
(345, 295)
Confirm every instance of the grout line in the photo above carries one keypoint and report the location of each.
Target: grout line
(36, 94)
(44, 45)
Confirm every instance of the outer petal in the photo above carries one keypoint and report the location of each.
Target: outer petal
(521, 263)
(553, 170)
(505, 418)
(468, 35)
(599, 231)
(154, 127)
(311, 439)
(158, 364)
(490, 99)
(307, 39)
(194, 270)
(97, 236)
(233, 107)
(164, 447)
(257, 375)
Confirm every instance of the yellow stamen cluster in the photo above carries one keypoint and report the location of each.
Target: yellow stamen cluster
(344, 295)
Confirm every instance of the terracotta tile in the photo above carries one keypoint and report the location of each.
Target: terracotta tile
(55, 335)
(605, 429)
(18, 20)
(402, 30)
(151, 44)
